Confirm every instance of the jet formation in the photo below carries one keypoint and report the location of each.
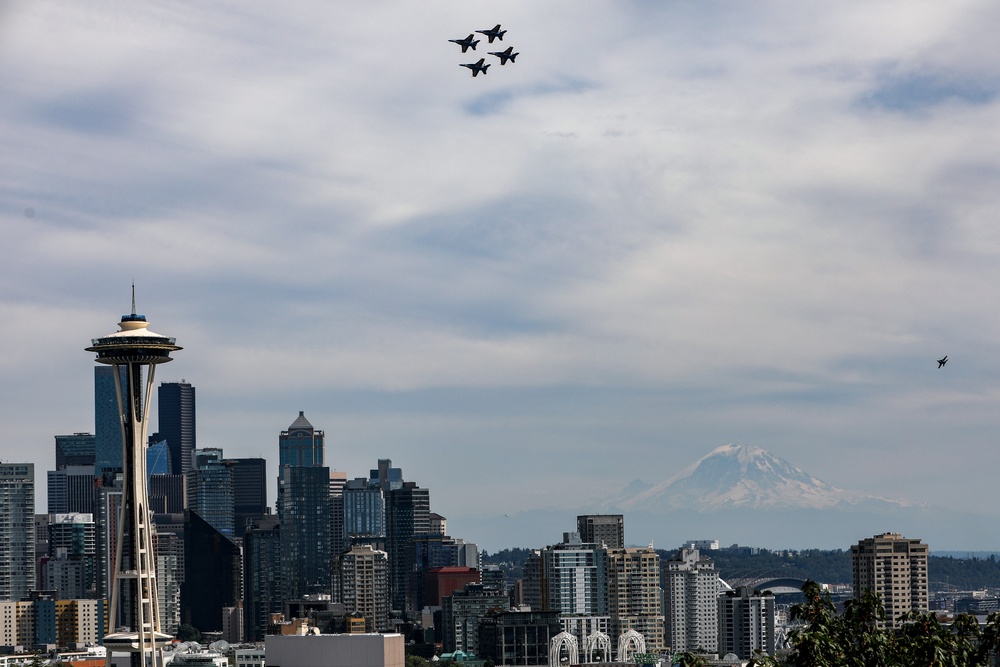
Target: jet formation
(491, 34)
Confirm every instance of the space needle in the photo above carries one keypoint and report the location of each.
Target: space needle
(134, 351)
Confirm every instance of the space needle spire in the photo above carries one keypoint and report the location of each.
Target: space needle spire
(134, 351)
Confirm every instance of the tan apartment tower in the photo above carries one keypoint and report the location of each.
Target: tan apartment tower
(635, 596)
(895, 568)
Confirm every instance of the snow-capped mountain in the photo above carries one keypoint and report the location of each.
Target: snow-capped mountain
(742, 477)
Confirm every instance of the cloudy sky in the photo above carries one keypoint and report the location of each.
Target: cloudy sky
(668, 226)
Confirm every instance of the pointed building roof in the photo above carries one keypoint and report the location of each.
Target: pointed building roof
(300, 423)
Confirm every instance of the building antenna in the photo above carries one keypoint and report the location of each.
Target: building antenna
(133, 297)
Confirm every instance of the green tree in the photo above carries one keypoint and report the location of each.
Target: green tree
(688, 659)
(857, 638)
(188, 633)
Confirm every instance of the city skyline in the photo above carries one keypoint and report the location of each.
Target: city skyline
(665, 228)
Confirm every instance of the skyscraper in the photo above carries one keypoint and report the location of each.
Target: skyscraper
(263, 588)
(364, 512)
(249, 491)
(691, 608)
(210, 490)
(338, 540)
(78, 449)
(107, 423)
(212, 573)
(133, 352)
(303, 509)
(17, 530)
(301, 445)
(608, 529)
(407, 515)
(176, 413)
(895, 568)
(304, 513)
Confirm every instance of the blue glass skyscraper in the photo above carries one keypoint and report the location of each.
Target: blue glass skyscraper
(107, 423)
(301, 445)
(176, 420)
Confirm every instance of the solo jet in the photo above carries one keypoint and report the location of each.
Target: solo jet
(504, 56)
(496, 33)
(476, 67)
(943, 361)
(466, 44)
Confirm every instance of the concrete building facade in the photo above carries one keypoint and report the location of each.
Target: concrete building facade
(690, 593)
(361, 584)
(746, 622)
(635, 596)
(895, 568)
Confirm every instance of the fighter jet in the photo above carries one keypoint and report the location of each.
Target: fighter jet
(466, 44)
(504, 56)
(494, 33)
(477, 67)
(943, 361)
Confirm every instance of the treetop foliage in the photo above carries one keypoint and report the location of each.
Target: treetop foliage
(856, 638)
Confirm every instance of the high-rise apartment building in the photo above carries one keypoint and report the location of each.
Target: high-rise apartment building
(361, 583)
(746, 622)
(17, 530)
(691, 608)
(895, 568)
(169, 572)
(634, 594)
(574, 578)
(608, 529)
(301, 445)
(72, 566)
(176, 414)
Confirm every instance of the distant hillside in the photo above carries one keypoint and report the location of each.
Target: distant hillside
(824, 566)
